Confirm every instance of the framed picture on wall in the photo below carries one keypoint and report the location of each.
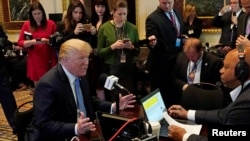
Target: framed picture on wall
(18, 10)
(15, 12)
(206, 10)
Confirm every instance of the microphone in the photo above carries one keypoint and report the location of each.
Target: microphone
(207, 46)
(110, 82)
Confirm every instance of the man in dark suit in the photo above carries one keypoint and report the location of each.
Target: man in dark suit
(57, 112)
(194, 65)
(7, 99)
(164, 28)
(235, 75)
(244, 25)
(227, 20)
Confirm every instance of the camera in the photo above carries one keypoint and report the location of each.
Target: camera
(54, 40)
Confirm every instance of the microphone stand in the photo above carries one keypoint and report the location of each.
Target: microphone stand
(117, 100)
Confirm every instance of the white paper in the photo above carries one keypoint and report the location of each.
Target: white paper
(193, 129)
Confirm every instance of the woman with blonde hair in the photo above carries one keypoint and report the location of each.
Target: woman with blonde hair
(193, 25)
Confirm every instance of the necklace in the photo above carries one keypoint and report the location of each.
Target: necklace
(119, 31)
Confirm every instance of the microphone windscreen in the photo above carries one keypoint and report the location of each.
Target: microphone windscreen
(207, 44)
(102, 79)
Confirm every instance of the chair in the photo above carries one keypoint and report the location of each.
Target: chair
(22, 120)
(202, 96)
(142, 74)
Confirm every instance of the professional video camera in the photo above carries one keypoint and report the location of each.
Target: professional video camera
(54, 40)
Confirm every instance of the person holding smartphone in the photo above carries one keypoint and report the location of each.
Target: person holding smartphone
(34, 36)
(100, 15)
(118, 46)
(76, 24)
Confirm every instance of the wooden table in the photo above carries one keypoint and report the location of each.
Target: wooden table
(138, 112)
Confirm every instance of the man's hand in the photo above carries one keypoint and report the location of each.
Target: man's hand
(126, 101)
(152, 40)
(177, 111)
(242, 40)
(175, 132)
(84, 125)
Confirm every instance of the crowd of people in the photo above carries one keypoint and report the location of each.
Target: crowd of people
(106, 42)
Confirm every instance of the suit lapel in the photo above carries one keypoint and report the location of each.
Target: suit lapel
(67, 87)
(164, 16)
(204, 68)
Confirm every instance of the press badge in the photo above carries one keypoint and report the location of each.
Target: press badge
(123, 58)
(178, 42)
(190, 31)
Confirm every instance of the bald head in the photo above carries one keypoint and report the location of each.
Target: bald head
(192, 44)
(230, 76)
(233, 55)
(193, 49)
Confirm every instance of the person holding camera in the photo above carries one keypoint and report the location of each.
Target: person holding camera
(118, 46)
(34, 36)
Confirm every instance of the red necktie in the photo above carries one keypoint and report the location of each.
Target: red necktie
(172, 18)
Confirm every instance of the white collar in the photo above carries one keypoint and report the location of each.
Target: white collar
(70, 76)
(235, 92)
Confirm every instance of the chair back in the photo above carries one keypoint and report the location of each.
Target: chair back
(202, 96)
(22, 118)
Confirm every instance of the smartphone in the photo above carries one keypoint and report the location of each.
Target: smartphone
(125, 40)
(86, 26)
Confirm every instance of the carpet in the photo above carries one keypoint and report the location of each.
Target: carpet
(5, 130)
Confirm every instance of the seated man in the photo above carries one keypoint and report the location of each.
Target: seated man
(194, 65)
(59, 114)
(235, 75)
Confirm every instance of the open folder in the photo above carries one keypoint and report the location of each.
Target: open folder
(190, 128)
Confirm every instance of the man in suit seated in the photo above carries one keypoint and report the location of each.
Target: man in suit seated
(194, 65)
(59, 114)
(235, 75)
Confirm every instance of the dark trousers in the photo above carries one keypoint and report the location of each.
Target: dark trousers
(7, 99)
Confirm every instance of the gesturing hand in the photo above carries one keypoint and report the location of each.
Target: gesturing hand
(84, 125)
